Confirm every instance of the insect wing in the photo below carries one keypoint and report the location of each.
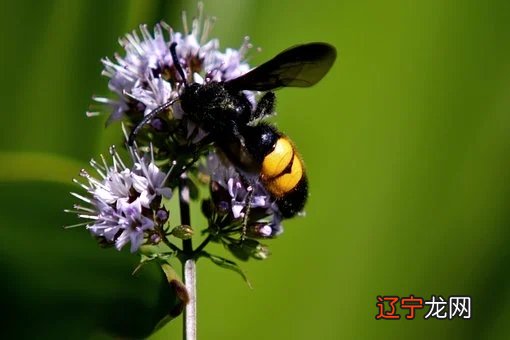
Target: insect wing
(298, 66)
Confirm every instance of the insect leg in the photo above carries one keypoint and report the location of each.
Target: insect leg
(265, 106)
(247, 212)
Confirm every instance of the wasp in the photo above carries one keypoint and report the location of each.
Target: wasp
(255, 148)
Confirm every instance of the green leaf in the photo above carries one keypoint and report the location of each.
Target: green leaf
(243, 250)
(178, 287)
(227, 264)
(150, 253)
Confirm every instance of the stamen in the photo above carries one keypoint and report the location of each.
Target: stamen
(152, 152)
(112, 151)
(245, 46)
(98, 167)
(97, 184)
(76, 225)
(124, 131)
(90, 217)
(174, 163)
(69, 211)
(169, 29)
(92, 113)
(119, 159)
(102, 100)
(185, 23)
(145, 33)
(104, 161)
(82, 208)
(84, 199)
(198, 21)
(81, 184)
(134, 41)
(156, 92)
(127, 94)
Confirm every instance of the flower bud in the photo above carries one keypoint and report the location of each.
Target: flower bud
(264, 230)
(184, 232)
(154, 239)
(261, 252)
(162, 216)
(159, 124)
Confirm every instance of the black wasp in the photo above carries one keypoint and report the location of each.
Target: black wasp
(224, 111)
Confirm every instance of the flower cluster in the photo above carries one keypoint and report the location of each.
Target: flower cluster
(239, 205)
(124, 203)
(231, 197)
(146, 78)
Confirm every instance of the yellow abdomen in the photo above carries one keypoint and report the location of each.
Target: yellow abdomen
(282, 169)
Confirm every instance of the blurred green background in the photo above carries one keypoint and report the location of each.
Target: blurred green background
(406, 143)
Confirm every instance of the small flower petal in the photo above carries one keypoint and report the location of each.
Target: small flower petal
(117, 200)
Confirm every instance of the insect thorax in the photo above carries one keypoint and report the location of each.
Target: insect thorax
(214, 108)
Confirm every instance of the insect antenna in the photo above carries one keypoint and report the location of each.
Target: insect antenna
(147, 119)
(163, 107)
(177, 64)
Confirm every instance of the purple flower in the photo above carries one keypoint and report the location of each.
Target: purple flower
(233, 193)
(133, 225)
(119, 204)
(145, 77)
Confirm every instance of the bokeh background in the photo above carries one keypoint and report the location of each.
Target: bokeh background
(406, 143)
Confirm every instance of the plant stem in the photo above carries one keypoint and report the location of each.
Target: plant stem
(188, 266)
(171, 245)
(190, 313)
(185, 213)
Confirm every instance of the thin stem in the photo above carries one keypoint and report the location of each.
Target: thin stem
(185, 213)
(171, 245)
(203, 244)
(190, 313)
(188, 267)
